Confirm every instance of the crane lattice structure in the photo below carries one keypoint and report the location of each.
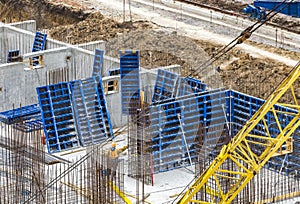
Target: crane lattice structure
(250, 149)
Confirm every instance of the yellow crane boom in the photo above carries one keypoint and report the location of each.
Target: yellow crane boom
(250, 149)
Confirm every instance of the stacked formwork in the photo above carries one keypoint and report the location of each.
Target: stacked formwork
(92, 119)
(25, 118)
(74, 114)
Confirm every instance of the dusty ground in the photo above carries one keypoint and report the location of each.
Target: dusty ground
(237, 6)
(46, 13)
(239, 70)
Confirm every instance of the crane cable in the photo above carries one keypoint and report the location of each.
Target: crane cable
(245, 34)
(249, 29)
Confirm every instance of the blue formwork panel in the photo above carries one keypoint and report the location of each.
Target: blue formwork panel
(188, 85)
(244, 107)
(114, 72)
(90, 109)
(30, 125)
(57, 116)
(98, 63)
(20, 114)
(13, 56)
(39, 44)
(195, 118)
(165, 85)
(130, 81)
(288, 8)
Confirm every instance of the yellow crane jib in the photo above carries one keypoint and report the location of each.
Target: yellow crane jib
(250, 149)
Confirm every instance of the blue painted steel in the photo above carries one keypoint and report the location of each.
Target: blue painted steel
(13, 56)
(197, 112)
(130, 81)
(210, 119)
(255, 12)
(39, 44)
(30, 125)
(20, 114)
(288, 8)
(57, 117)
(244, 106)
(26, 118)
(98, 62)
(188, 86)
(90, 109)
(165, 85)
(113, 72)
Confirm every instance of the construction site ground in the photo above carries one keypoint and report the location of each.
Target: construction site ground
(253, 68)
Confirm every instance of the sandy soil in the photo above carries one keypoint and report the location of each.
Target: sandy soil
(252, 74)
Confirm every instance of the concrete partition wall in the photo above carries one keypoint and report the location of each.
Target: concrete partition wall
(13, 38)
(109, 63)
(19, 86)
(147, 81)
(29, 25)
(91, 46)
(81, 62)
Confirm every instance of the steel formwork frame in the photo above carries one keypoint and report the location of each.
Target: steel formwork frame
(58, 117)
(98, 62)
(213, 118)
(130, 81)
(21, 114)
(179, 129)
(74, 113)
(91, 114)
(165, 85)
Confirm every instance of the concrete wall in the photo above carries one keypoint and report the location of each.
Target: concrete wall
(29, 25)
(91, 46)
(147, 81)
(109, 63)
(13, 38)
(18, 86)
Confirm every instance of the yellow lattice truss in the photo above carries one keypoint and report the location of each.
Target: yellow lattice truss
(250, 149)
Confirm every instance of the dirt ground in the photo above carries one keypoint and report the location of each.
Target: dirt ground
(237, 7)
(159, 47)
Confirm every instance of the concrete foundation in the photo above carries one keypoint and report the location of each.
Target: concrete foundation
(18, 86)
